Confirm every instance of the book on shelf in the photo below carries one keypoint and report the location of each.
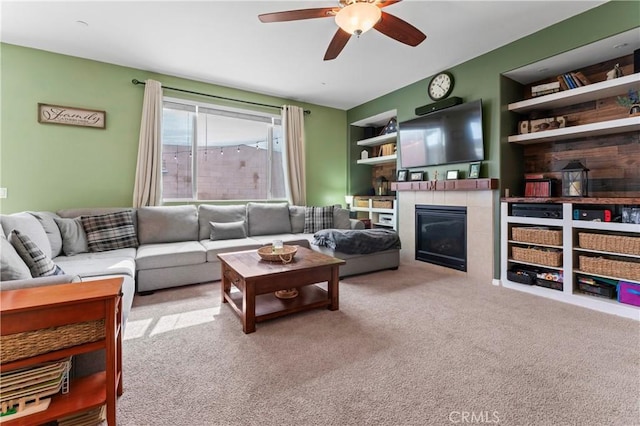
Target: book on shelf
(545, 87)
(537, 188)
(563, 83)
(582, 78)
(569, 81)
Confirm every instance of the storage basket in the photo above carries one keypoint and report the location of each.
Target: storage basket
(382, 204)
(609, 243)
(548, 257)
(552, 237)
(18, 346)
(361, 202)
(610, 267)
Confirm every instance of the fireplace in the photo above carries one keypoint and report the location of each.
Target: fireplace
(441, 235)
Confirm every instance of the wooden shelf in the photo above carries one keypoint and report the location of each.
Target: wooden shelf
(573, 200)
(85, 393)
(379, 140)
(609, 127)
(447, 185)
(603, 89)
(39, 308)
(379, 160)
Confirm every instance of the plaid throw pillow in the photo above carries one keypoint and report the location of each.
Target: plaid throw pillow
(40, 265)
(110, 231)
(317, 218)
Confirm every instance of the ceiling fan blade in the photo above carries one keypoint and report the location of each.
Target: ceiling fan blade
(295, 15)
(385, 3)
(400, 30)
(338, 42)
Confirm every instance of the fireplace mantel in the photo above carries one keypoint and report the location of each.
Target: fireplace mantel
(447, 185)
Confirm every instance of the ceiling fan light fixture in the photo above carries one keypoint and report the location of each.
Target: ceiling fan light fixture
(358, 17)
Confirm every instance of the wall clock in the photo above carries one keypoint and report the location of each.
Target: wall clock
(440, 86)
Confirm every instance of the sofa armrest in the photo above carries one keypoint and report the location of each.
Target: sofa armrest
(39, 282)
(356, 224)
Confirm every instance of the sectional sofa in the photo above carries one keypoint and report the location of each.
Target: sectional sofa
(154, 248)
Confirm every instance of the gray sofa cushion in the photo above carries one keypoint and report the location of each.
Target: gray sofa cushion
(268, 218)
(38, 282)
(218, 214)
(12, 267)
(27, 225)
(296, 216)
(228, 230)
(74, 239)
(167, 224)
(48, 223)
(226, 246)
(167, 255)
(341, 218)
(97, 265)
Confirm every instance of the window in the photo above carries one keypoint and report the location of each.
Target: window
(213, 153)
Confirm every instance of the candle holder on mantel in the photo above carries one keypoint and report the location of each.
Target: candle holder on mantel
(574, 180)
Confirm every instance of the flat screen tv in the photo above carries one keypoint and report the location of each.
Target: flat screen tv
(450, 135)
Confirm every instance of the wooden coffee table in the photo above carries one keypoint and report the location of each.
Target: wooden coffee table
(258, 280)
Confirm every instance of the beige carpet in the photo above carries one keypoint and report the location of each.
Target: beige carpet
(409, 347)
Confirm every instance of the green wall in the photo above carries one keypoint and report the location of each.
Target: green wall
(50, 167)
(480, 78)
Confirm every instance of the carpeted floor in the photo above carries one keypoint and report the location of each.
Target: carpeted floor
(409, 347)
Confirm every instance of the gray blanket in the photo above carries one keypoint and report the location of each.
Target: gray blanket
(357, 241)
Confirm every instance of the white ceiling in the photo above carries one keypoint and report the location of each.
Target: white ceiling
(223, 42)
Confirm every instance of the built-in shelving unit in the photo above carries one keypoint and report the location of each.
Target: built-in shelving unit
(375, 213)
(591, 92)
(609, 127)
(389, 138)
(383, 159)
(587, 93)
(571, 251)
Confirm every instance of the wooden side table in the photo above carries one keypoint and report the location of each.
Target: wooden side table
(42, 308)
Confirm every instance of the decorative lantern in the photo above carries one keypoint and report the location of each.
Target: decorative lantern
(574, 179)
(382, 186)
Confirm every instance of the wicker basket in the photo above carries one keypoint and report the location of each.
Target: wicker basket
(283, 256)
(361, 202)
(18, 346)
(537, 256)
(382, 204)
(609, 243)
(552, 237)
(609, 267)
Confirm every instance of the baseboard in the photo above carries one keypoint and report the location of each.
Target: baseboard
(496, 282)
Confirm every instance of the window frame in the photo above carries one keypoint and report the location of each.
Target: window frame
(197, 105)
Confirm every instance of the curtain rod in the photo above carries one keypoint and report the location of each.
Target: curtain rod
(136, 82)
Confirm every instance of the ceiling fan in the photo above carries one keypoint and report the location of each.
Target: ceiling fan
(354, 17)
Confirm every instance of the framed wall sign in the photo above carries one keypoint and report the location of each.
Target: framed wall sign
(452, 174)
(474, 170)
(57, 114)
(416, 176)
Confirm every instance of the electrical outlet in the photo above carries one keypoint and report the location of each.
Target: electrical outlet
(3, 192)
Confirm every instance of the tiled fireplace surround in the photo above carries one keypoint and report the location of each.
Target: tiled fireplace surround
(480, 227)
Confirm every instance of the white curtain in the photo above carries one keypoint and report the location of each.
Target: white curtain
(147, 190)
(293, 127)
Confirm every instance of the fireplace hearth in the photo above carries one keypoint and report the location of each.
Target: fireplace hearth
(441, 235)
